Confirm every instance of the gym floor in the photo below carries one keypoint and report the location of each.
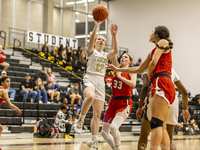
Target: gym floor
(26, 141)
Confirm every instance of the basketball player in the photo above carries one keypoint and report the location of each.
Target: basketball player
(173, 112)
(94, 91)
(119, 104)
(158, 65)
(4, 98)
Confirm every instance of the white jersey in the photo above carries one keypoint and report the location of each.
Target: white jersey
(174, 108)
(97, 63)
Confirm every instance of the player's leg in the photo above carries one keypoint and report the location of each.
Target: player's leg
(95, 122)
(170, 131)
(97, 106)
(107, 136)
(108, 117)
(144, 132)
(119, 118)
(159, 135)
(88, 100)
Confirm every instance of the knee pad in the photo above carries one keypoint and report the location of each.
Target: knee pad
(155, 123)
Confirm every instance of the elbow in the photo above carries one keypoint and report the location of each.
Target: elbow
(133, 85)
(152, 64)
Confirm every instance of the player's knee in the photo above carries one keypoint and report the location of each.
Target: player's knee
(155, 123)
(90, 96)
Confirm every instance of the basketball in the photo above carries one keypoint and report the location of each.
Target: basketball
(100, 13)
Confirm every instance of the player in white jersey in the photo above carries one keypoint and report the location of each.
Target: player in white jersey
(94, 92)
(172, 120)
(173, 112)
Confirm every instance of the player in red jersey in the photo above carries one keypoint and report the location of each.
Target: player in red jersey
(158, 65)
(4, 98)
(120, 103)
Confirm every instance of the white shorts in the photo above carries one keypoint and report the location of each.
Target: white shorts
(172, 115)
(97, 84)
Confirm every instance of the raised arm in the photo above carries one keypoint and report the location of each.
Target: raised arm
(112, 56)
(160, 49)
(92, 39)
(139, 69)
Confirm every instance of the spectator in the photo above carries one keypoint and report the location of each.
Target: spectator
(54, 94)
(26, 89)
(11, 91)
(69, 56)
(83, 58)
(41, 91)
(75, 98)
(45, 49)
(63, 125)
(51, 82)
(4, 64)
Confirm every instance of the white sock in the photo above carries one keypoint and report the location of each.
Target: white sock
(108, 137)
(116, 123)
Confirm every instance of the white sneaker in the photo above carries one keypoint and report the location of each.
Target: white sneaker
(78, 127)
(93, 145)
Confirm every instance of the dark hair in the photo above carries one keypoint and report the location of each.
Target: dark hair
(162, 32)
(2, 79)
(119, 58)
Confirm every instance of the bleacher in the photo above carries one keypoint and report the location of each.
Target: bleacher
(22, 62)
(19, 67)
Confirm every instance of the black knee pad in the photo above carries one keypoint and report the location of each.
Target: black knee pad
(155, 123)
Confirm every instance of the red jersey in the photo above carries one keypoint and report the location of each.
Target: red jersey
(119, 88)
(163, 85)
(164, 63)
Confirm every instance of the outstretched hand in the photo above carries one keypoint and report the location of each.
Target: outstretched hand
(114, 29)
(112, 67)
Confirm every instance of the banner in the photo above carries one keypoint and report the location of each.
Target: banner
(52, 40)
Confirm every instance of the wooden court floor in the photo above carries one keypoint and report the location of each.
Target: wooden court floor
(129, 142)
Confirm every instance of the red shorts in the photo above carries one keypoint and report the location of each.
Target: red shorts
(114, 107)
(163, 86)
